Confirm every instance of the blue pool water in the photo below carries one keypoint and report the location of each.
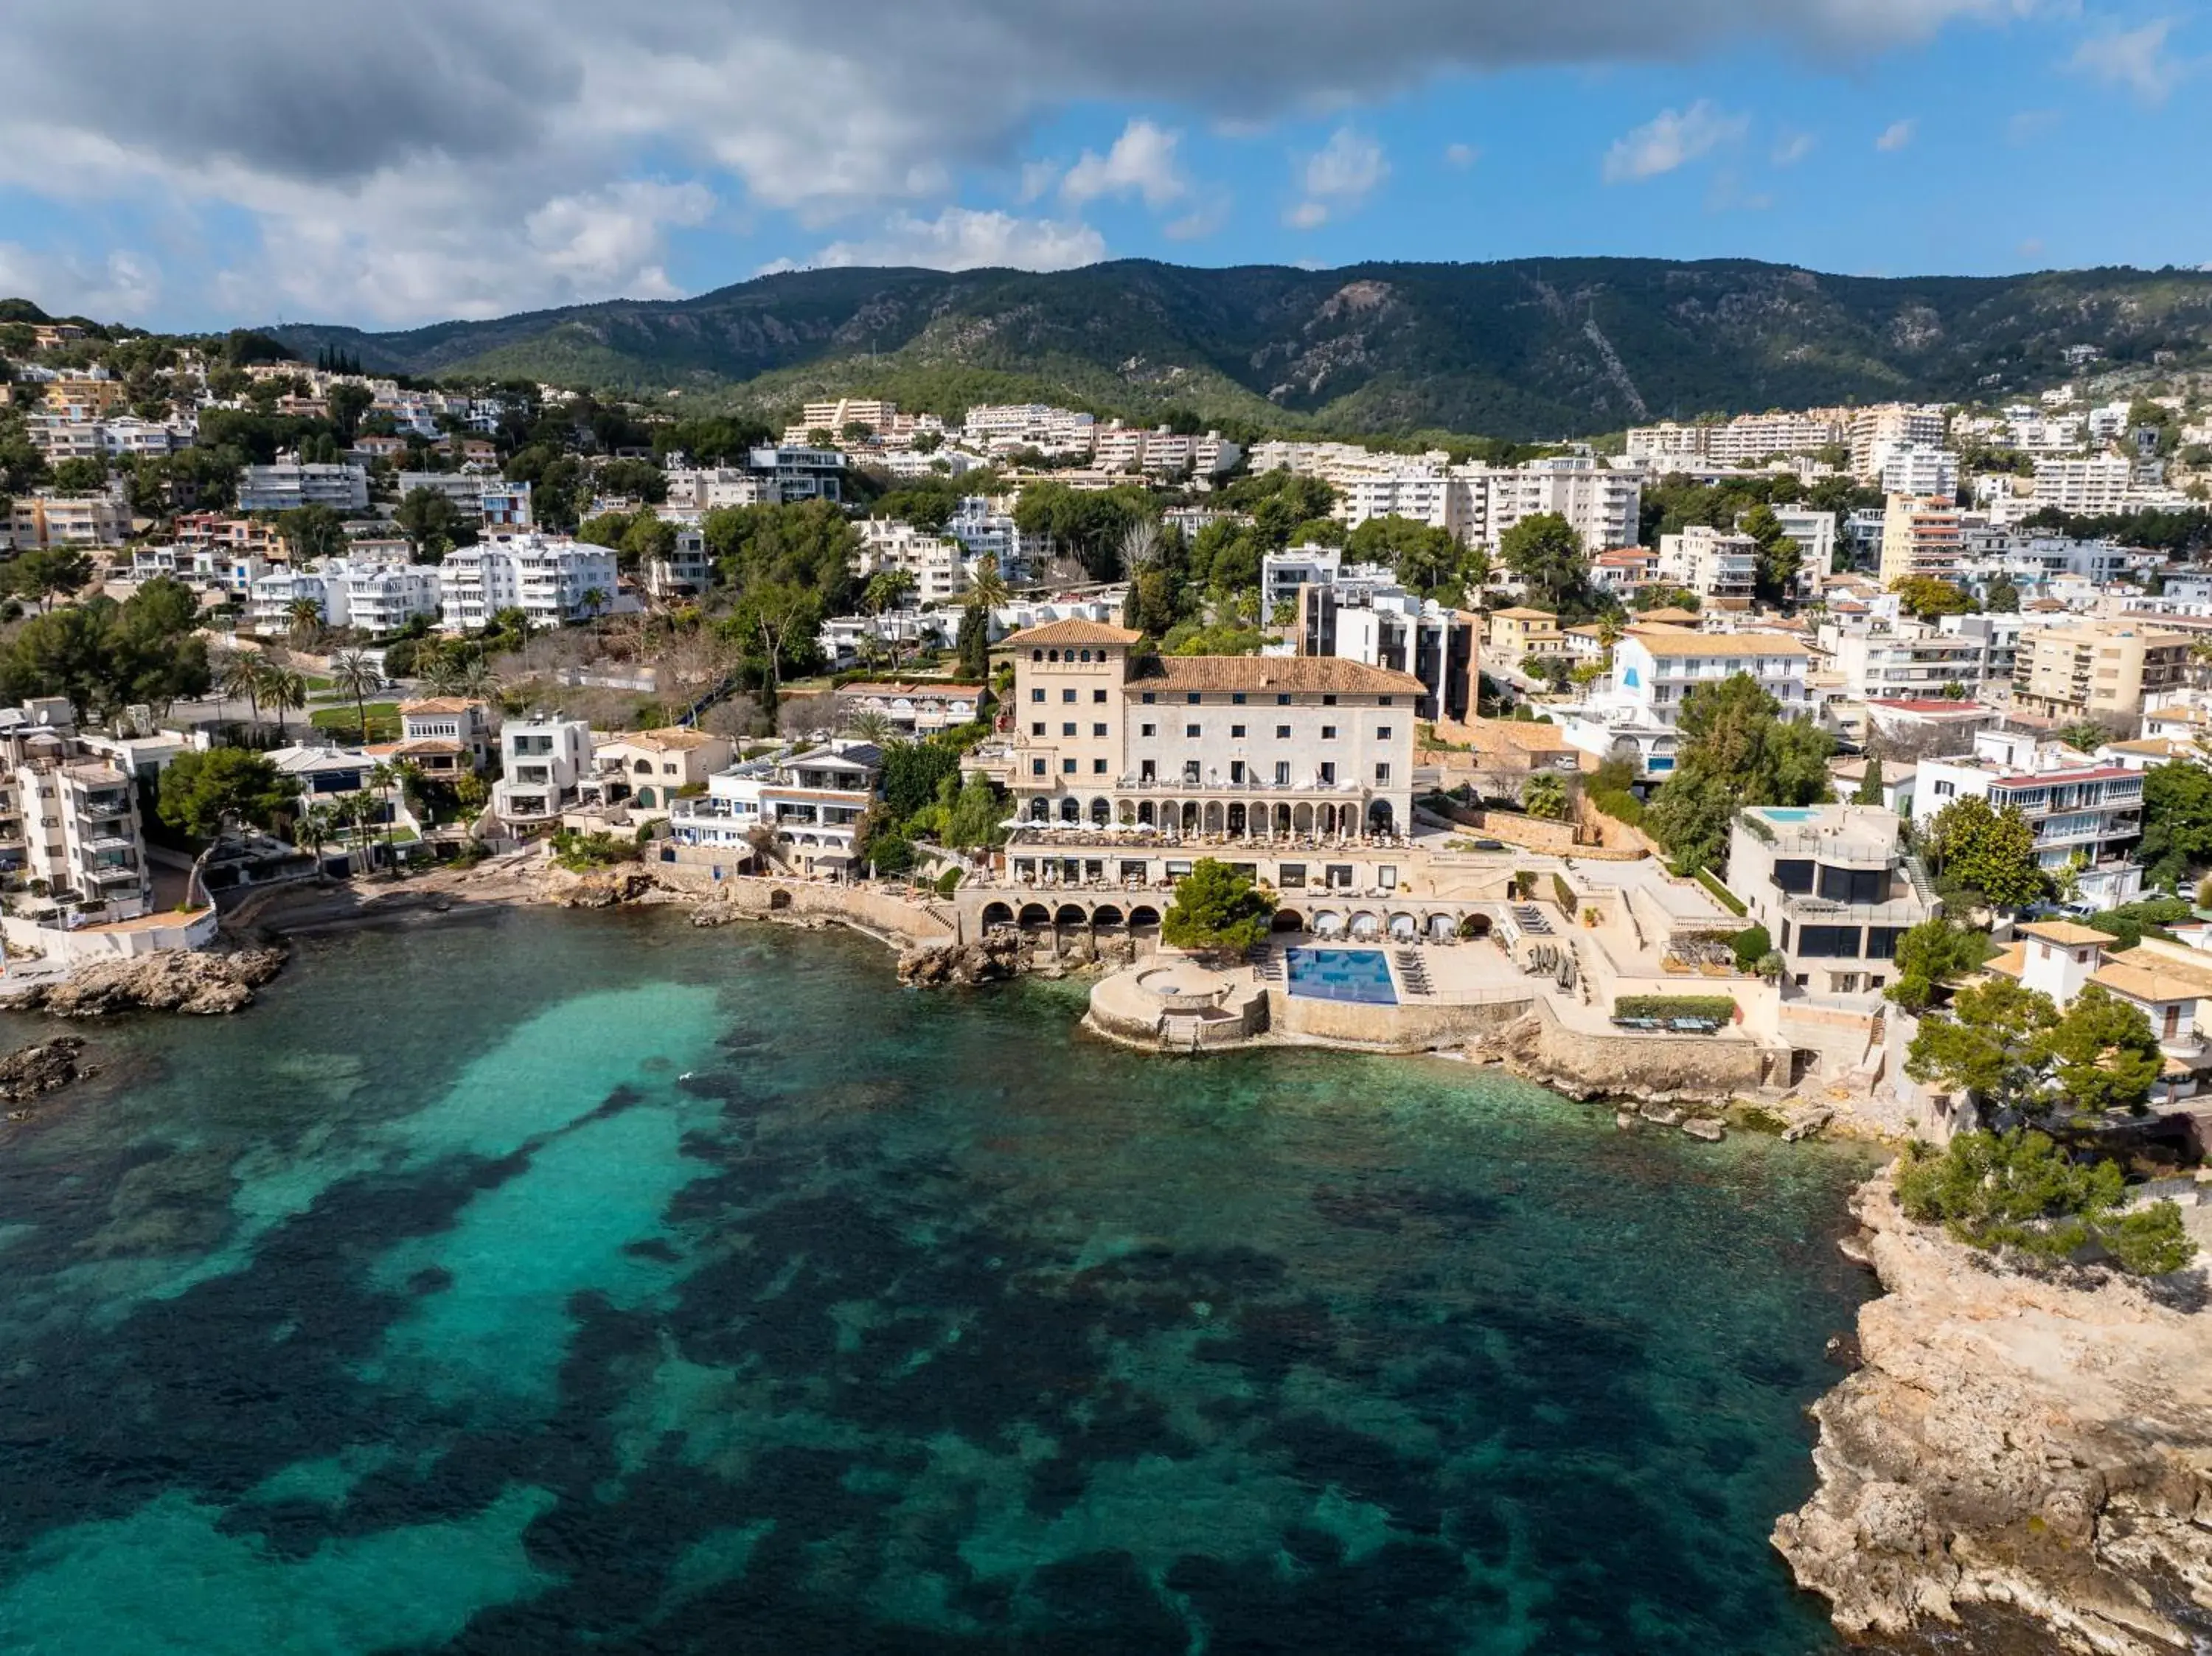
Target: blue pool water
(1789, 813)
(1358, 974)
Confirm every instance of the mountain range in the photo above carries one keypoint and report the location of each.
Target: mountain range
(1524, 348)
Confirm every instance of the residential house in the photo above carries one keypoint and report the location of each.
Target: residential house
(289, 485)
(552, 580)
(543, 762)
(2104, 670)
(1520, 637)
(920, 709)
(446, 736)
(646, 771)
(2167, 982)
(1835, 888)
(808, 800)
(2086, 818)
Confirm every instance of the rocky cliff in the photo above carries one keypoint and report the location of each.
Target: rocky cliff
(2042, 1447)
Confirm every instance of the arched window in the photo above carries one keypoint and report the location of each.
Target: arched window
(1071, 810)
(1052, 655)
(1086, 655)
(1036, 655)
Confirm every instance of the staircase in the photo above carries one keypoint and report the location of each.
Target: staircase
(1924, 888)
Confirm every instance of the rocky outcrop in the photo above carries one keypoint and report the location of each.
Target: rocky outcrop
(597, 887)
(933, 965)
(2043, 1446)
(173, 980)
(1659, 1070)
(29, 1071)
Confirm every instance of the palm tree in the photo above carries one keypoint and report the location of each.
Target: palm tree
(1544, 797)
(383, 779)
(870, 724)
(240, 674)
(477, 679)
(353, 672)
(888, 589)
(317, 827)
(306, 617)
(283, 690)
(593, 598)
(987, 587)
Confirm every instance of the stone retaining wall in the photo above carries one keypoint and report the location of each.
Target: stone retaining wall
(804, 899)
(1589, 1063)
(1408, 1026)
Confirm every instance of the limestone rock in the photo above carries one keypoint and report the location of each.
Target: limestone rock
(2042, 1443)
(933, 966)
(30, 1071)
(172, 980)
(1704, 1127)
(597, 887)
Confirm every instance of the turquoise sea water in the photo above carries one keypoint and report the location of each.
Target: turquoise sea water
(546, 1282)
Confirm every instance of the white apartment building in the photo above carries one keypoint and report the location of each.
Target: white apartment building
(230, 572)
(710, 488)
(377, 599)
(2084, 487)
(1383, 625)
(1873, 432)
(1656, 668)
(834, 416)
(937, 565)
(1282, 573)
(799, 474)
(1238, 745)
(289, 485)
(1426, 497)
(2093, 813)
(1815, 535)
(1744, 440)
(1920, 469)
(60, 437)
(1603, 504)
(984, 530)
(69, 817)
(552, 580)
(1906, 660)
(543, 763)
(1720, 566)
(811, 799)
(1001, 426)
(686, 572)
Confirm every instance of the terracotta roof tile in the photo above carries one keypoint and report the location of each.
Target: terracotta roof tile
(1269, 673)
(1072, 632)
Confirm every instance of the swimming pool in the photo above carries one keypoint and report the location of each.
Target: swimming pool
(1354, 974)
(1789, 813)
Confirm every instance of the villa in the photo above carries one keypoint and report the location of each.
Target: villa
(813, 799)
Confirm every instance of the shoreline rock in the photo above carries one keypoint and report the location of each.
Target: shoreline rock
(933, 966)
(201, 983)
(42, 1067)
(2014, 1444)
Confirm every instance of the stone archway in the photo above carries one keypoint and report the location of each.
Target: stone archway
(1071, 810)
(1035, 914)
(1101, 812)
(1301, 819)
(1238, 817)
(1124, 813)
(1106, 914)
(778, 901)
(1071, 914)
(997, 914)
(1404, 928)
(1214, 816)
(1144, 914)
(1145, 814)
(1379, 817)
(1365, 924)
(1287, 919)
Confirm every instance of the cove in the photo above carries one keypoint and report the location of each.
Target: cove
(583, 1283)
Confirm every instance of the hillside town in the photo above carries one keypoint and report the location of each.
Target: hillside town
(1785, 728)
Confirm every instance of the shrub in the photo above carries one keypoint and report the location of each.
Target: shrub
(1722, 894)
(1717, 1008)
(948, 882)
(581, 853)
(1566, 894)
(1753, 945)
(1617, 804)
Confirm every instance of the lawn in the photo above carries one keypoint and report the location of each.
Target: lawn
(383, 720)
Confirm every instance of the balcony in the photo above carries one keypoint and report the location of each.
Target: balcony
(1216, 784)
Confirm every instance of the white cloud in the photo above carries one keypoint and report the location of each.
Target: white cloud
(410, 158)
(1462, 157)
(962, 238)
(1037, 180)
(1338, 177)
(122, 285)
(1671, 139)
(1896, 136)
(2132, 60)
(1792, 147)
(1142, 162)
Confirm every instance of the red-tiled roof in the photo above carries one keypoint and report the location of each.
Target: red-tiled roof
(2102, 774)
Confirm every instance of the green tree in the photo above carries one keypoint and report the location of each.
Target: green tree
(2002, 598)
(1216, 910)
(313, 532)
(1734, 751)
(1992, 1045)
(978, 810)
(431, 523)
(1426, 559)
(1928, 598)
(1931, 956)
(355, 675)
(773, 624)
(348, 403)
(2020, 1191)
(2177, 820)
(1779, 558)
(284, 690)
(2104, 1054)
(64, 653)
(1986, 853)
(2085, 734)
(44, 572)
(1752, 944)
(973, 644)
(81, 475)
(1544, 551)
(1544, 795)
(200, 791)
(1869, 789)
(304, 620)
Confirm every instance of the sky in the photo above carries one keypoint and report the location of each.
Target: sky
(234, 162)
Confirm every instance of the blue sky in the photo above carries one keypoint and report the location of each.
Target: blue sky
(234, 163)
